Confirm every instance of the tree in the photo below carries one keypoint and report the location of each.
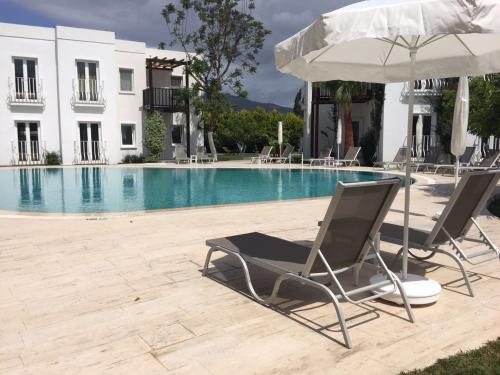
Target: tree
(344, 92)
(161, 45)
(225, 46)
(154, 136)
(484, 117)
(297, 104)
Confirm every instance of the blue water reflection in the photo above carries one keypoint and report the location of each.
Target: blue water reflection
(98, 189)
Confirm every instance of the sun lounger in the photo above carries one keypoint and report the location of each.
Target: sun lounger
(488, 162)
(323, 157)
(344, 240)
(430, 160)
(264, 155)
(286, 156)
(202, 156)
(180, 154)
(465, 160)
(350, 158)
(453, 224)
(398, 161)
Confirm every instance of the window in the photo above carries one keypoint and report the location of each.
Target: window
(88, 89)
(126, 80)
(25, 78)
(176, 81)
(128, 135)
(177, 134)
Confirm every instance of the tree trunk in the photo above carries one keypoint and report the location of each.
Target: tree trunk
(348, 130)
(211, 144)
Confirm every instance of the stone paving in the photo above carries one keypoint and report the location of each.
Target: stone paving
(123, 294)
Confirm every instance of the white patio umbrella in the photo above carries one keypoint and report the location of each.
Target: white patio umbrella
(393, 41)
(419, 136)
(339, 136)
(280, 135)
(460, 122)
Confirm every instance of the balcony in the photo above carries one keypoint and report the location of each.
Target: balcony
(426, 87)
(88, 93)
(163, 99)
(25, 92)
(90, 152)
(28, 153)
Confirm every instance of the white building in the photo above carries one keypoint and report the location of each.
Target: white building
(85, 94)
(319, 134)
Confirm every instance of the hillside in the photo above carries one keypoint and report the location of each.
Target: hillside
(243, 103)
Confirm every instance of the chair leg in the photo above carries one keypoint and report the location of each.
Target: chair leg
(461, 266)
(404, 297)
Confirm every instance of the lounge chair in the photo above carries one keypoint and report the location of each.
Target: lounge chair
(323, 157)
(464, 161)
(398, 161)
(453, 224)
(431, 159)
(344, 240)
(180, 154)
(202, 156)
(350, 158)
(264, 155)
(286, 156)
(488, 162)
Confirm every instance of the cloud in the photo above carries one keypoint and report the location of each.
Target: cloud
(141, 20)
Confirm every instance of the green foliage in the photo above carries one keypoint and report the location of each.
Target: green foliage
(154, 136)
(53, 158)
(444, 109)
(368, 143)
(297, 106)
(484, 118)
(133, 159)
(251, 130)
(482, 361)
(225, 45)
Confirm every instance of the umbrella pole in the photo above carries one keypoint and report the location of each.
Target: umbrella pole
(457, 168)
(411, 99)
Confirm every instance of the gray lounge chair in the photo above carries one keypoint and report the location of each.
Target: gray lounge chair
(344, 240)
(488, 162)
(180, 154)
(323, 156)
(286, 156)
(431, 159)
(264, 155)
(398, 161)
(202, 156)
(453, 224)
(350, 158)
(464, 161)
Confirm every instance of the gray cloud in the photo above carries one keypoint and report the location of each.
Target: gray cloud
(141, 20)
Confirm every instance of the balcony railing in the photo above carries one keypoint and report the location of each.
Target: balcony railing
(426, 87)
(90, 152)
(27, 152)
(88, 92)
(25, 91)
(163, 99)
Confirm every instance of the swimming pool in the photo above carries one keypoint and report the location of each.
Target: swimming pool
(107, 189)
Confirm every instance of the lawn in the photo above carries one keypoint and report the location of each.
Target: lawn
(482, 361)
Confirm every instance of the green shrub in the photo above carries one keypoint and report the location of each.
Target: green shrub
(53, 158)
(154, 136)
(133, 159)
(368, 145)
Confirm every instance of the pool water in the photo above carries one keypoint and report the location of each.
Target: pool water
(98, 189)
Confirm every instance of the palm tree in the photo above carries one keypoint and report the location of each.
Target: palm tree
(344, 92)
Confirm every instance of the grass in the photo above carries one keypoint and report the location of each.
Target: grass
(482, 361)
(494, 207)
(230, 157)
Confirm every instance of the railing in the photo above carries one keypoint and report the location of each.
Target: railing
(25, 91)
(27, 153)
(164, 99)
(90, 152)
(426, 87)
(88, 92)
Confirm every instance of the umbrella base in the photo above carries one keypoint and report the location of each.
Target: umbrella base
(419, 290)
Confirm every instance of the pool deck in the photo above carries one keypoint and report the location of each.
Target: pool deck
(123, 294)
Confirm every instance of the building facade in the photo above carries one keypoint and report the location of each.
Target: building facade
(85, 94)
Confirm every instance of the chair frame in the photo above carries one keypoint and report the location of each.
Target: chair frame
(307, 278)
(349, 162)
(262, 158)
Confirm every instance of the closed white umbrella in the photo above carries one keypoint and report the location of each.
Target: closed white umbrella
(280, 135)
(339, 136)
(460, 122)
(379, 41)
(420, 135)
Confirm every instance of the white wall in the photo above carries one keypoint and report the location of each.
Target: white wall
(35, 43)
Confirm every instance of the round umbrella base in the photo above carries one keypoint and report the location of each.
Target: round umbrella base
(419, 290)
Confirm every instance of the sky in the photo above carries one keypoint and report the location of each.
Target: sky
(141, 20)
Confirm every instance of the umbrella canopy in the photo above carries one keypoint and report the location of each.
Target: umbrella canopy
(460, 122)
(280, 134)
(339, 136)
(379, 40)
(420, 135)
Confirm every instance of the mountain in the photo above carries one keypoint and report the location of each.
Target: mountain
(239, 103)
